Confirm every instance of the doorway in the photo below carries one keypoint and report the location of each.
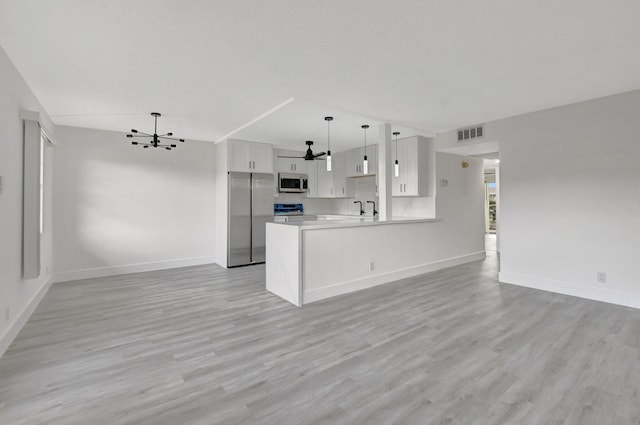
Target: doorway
(492, 202)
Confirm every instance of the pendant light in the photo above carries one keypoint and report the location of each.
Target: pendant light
(365, 163)
(328, 120)
(396, 167)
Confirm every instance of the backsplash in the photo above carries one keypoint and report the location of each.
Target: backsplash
(365, 190)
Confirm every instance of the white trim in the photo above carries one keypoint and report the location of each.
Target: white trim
(43, 121)
(27, 115)
(130, 268)
(256, 119)
(573, 289)
(14, 328)
(395, 275)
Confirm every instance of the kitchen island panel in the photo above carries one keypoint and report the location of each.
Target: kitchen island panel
(338, 257)
(336, 261)
(283, 257)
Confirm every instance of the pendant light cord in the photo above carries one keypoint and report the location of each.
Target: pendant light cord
(396, 145)
(364, 127)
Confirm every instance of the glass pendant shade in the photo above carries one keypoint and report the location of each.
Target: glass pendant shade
(365, 163)
(396, 167)
(328, 120)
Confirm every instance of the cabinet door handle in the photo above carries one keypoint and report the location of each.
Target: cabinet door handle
(343, 190)
(254, 165)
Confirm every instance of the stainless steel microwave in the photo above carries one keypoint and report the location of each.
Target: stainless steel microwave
(292, 183)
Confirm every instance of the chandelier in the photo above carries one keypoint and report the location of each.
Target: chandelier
(159, 140)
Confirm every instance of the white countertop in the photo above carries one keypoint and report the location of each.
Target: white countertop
(335, 221)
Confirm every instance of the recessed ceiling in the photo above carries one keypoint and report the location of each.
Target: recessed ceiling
(211, 67)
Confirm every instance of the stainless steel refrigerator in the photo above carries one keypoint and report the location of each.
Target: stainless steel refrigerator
(250, 208)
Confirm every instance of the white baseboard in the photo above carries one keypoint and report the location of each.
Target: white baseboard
(371, 281)
(14, 328)
(130, 268)
(573, 289)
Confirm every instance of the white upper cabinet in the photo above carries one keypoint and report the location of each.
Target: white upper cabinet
(325, 179)
(292, 165)
(413, 160)
(312, 179)
(329, 184)
(342, 186)
(250, 157)
(355, 158)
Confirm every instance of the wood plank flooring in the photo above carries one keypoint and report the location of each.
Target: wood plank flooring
(205, 345)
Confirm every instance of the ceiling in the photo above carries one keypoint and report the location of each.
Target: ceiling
(232, 67)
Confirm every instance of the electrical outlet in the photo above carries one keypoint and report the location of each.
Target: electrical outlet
(371, 265)
(601, 277)
(444, 182)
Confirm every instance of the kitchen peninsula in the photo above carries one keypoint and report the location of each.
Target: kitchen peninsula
(308, 261)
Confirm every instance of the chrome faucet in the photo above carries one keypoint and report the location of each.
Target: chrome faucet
(361, 207)
(374, 207)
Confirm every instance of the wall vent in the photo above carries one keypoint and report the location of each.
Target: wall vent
(470, 133)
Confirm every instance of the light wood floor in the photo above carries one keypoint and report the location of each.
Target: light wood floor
(204, 345)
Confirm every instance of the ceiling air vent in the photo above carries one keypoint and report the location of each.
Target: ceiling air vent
(469, 133)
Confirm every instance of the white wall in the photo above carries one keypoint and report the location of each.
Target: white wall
(570, 198)
(459, 204)
(18, 297)
(119, 208)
